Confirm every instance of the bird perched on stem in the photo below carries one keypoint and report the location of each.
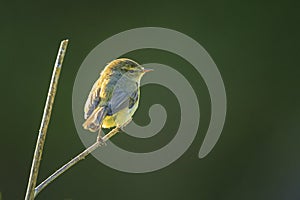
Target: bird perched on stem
(114, 97)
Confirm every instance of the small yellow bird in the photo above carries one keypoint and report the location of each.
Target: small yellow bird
(114, 97)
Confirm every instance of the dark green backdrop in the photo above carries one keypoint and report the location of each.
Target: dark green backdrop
(256, 47)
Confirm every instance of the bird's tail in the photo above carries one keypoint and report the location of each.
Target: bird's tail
(94, 121)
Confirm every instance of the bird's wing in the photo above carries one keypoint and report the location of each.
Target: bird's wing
(94, 121)
(93, 99)
(122, 98)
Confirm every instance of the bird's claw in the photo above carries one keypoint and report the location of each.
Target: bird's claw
(101, 141)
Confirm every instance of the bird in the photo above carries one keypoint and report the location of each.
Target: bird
(114, 97)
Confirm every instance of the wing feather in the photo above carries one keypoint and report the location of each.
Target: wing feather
(122, 98)
(93, 99)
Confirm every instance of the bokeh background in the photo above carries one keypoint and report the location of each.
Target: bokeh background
(256, 47)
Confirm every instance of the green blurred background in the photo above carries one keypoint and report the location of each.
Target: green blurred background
(256, 47)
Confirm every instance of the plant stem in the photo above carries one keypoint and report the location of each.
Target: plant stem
(75, 160)
(45, 122)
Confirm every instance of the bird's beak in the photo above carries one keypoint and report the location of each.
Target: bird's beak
(147, 70)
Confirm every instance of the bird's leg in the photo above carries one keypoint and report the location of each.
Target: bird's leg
(99, 138)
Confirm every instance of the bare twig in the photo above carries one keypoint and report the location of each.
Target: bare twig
(45, 121)
(75, 160)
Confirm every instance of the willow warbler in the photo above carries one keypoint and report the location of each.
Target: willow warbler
(114, 97)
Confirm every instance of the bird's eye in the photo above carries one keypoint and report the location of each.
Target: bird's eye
(131, 71)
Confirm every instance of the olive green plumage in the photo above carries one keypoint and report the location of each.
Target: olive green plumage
(114, 97)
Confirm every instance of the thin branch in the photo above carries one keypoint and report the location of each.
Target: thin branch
(45, 121)
(75, 160)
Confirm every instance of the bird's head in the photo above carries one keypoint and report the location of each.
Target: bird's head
(129, 68)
